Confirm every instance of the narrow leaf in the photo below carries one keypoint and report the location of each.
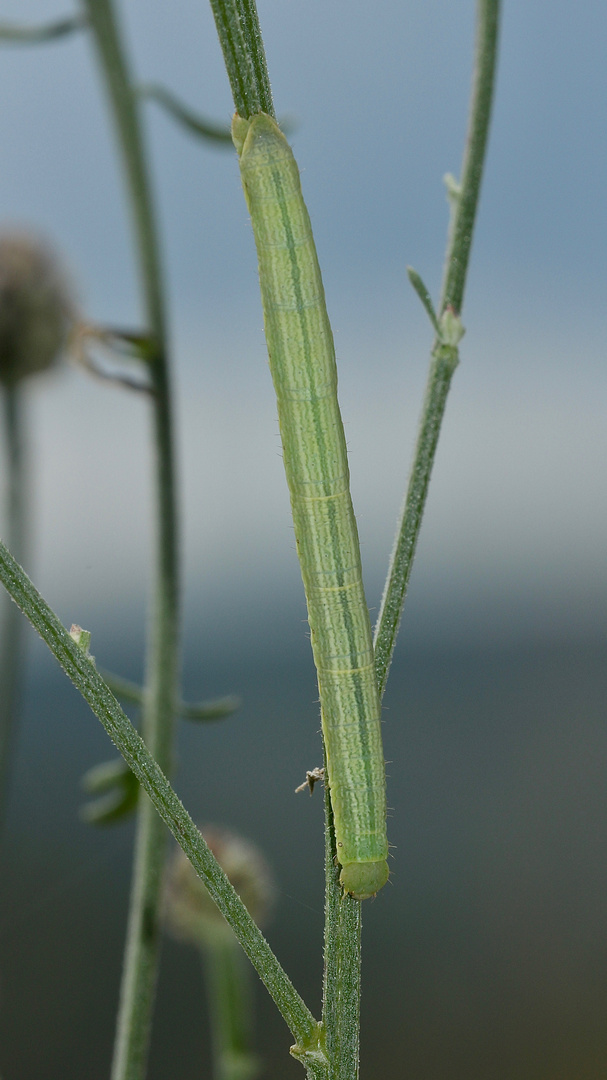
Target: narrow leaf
(424, 295)
(193, 122)
(37, 35)
(209, 710)
(200, 711)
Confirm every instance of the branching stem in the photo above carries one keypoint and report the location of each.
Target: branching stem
(443, 361)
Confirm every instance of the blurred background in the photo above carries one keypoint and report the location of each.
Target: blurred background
(487, 954)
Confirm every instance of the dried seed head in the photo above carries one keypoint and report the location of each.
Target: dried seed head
(36, 309)
(190, 914)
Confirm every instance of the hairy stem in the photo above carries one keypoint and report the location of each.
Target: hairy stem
(343, 917)
(141, 957)
(240, 38)
(342, 967)
(443, 361)
(82, 671)
(485, 60)
(341, 991)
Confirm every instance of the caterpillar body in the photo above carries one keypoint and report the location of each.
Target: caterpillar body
(302, 363)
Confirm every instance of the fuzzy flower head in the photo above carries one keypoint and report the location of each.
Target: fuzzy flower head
(190, 914)
(36, 308)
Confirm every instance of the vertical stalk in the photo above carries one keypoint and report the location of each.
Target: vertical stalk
(141, 957)
(244, 56)
(240, 38)
(17, 510)
(342, 935)
(483, 85)
(342, 968)
(230, 1007)
(251, 94)
(443, 361)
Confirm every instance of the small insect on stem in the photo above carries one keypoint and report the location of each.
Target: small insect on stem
(311, 780)
(302, 362)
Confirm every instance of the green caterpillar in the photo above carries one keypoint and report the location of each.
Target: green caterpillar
(302, 362)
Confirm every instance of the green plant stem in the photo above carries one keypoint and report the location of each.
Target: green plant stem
(399, 573)
(230, 1007)
(460, 243)
(443, 362)
(17, 513)
(341, 991)
(341, 1002)
(342, 967)
(143, 933)
(82, 671)
(240, 38)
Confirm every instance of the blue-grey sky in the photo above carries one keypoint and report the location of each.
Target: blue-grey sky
(515, 531)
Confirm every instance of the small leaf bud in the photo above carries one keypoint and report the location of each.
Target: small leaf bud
(454, 189)
(451, 328)
(81, 637)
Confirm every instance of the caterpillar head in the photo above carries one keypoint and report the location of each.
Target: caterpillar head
(364, 879)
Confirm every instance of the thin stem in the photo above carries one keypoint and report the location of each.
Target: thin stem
(83, 673)
(342, 971)
(395, 591)
(458, 252)
(17, 508)
(443, 360)
(341, 998)
(141, 957)
(240, 38)
(229, 997)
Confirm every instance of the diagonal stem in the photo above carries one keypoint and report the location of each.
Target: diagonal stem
(343, 917)
(82, 671)
(443, 362)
